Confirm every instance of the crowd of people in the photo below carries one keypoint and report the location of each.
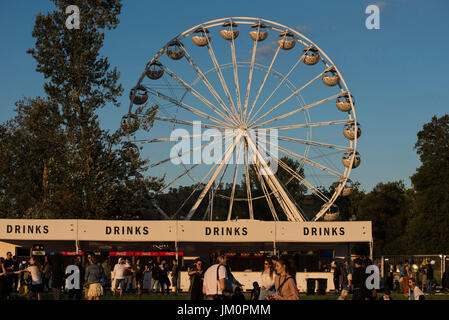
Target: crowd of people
(351, 278)
(30, 278)
(217, 282)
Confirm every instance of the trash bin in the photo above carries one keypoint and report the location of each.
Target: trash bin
(322, 286)
(311, 286)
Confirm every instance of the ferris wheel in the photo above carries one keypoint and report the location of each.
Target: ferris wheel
(261, 94)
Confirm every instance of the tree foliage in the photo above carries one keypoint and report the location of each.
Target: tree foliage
(387, 206)
(61, 163)
(429, 224)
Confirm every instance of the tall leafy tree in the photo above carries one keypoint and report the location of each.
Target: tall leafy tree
(72, 167)
(33, 148)
(429, 225)
(388, 207)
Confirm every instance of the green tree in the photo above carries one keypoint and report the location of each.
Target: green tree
(429, 224)
(349, 205)
(388, 207)
(72, 166)
(32, 146)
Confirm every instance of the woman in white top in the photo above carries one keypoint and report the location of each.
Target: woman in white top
(36, 279)
(267, 279)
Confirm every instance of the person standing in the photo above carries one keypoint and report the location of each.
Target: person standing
(128, 276)
(175, 276)
(47, 274)
(118, 274)
(36, 279)
(414, 292)
(93, 278)
(347, 281)
(358, 280)
(138, 275)
(155, 277)
(197, 276)
(9, 267)
(163, 277)
(148, 274)
(215, 279)
(107, 274)
(3, 280)
(285, 284)
(16, 274)
(57, 277)
(336, 276)
(267, 279)
(429, 277)
(405, 276)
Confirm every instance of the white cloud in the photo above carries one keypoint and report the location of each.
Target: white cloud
(302, 28)
(267, 49)
(380, 4)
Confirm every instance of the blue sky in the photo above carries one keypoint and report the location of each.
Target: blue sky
(398, 74)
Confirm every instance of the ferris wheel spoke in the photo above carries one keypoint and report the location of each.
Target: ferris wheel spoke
(308, 125)
(187, 172)
(248, 183)
(187, 107)
(196, 188)
(236, 76)
(250, 77)
(210, 206)
(206, 82)
(162, 212)
(307, 160)
(282, 81)
(297, 175)
(187, 152)
(220, 76)
(178, 177)
(301, 179)
(236, 170)
(265, 191)
(225, 159)
(312, 143)
(285, 100)
(190, 136)
(189, 123)
(281, 194)
(276, 194)
(198, 95)
(288, 114)
(263, 82)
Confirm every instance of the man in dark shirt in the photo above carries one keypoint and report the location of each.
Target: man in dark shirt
(358, 280)
(155, 277)
(9, 268)
(163, 277)
(197, 275)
